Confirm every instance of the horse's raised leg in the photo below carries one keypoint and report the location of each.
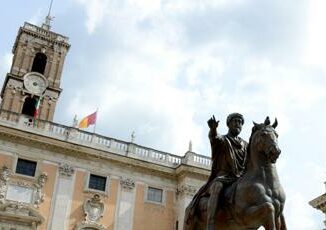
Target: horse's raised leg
(283, 225)
(278, 223)
(261, 214)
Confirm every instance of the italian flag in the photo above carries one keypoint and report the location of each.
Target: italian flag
(37, 107)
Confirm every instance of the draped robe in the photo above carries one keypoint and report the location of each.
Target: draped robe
(228, 164)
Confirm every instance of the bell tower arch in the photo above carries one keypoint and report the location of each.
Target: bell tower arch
(39, 63)
(35, 73)
(29, 106)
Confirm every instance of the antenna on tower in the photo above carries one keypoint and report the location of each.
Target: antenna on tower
(47, 24)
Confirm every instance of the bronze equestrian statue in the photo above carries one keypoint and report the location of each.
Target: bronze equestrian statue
(243, 185)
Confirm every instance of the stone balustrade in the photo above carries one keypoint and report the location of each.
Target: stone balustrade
(96, 141)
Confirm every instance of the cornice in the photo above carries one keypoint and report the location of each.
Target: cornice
(46, 38)
(319, 203)
(184, 170)
(20, 213)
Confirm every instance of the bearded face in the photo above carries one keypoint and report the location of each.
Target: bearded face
(235, 126)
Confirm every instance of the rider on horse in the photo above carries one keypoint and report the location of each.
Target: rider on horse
(229, 154)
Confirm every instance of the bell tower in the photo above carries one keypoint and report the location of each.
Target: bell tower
(32, 87)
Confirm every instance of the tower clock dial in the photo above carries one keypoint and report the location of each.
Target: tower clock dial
(35, 83)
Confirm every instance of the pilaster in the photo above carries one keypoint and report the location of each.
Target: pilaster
(126, 204)
(62, 197)
(185, 193)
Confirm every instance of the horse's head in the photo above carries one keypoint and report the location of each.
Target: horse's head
(264, 140)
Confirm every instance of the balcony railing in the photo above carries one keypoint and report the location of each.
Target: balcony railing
(96, 141)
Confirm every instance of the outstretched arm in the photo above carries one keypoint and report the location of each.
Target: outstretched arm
(212, 124)
(213, 135)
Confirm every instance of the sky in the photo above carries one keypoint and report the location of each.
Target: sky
(162, 68)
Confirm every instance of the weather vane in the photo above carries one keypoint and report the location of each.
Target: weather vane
(47, 24)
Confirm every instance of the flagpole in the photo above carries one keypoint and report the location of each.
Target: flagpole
(95, 121)
(94, 126)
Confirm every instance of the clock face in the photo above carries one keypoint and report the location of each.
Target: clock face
(35, 83)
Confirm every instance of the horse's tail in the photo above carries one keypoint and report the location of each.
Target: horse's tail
(283, 225)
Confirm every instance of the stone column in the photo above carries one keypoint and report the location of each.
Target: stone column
(62, 198)
(126, 203)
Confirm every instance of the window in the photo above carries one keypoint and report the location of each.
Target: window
(26, 167)
(155, 194)
(97, 182)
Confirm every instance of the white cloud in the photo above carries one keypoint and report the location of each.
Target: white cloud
(204, 64)
(315, 53)
(298, 209)
(282, 85)
(148, 91)
(131, 11)
(38, 17)
(96, 11)
(318, 172)
(280, 90)
(154, 56)
(183, 6)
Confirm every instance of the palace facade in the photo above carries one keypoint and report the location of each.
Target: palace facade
(320, 204)
(59, 177)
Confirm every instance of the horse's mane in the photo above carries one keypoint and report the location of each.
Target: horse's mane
(254, 129)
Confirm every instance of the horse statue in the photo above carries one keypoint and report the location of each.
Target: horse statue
(257, 198)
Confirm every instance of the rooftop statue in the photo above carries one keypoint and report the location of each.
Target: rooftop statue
(243, 190)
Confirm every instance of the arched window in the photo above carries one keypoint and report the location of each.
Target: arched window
(39, 63)
(29, 106)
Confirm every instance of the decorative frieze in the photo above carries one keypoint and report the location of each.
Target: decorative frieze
(20, 214)
(18, 208)
(51, 95)
(187, 190)
(21, 183)
(66, 170)
(15, 84)
(5, 173)
(39, 194)
(127, 183)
